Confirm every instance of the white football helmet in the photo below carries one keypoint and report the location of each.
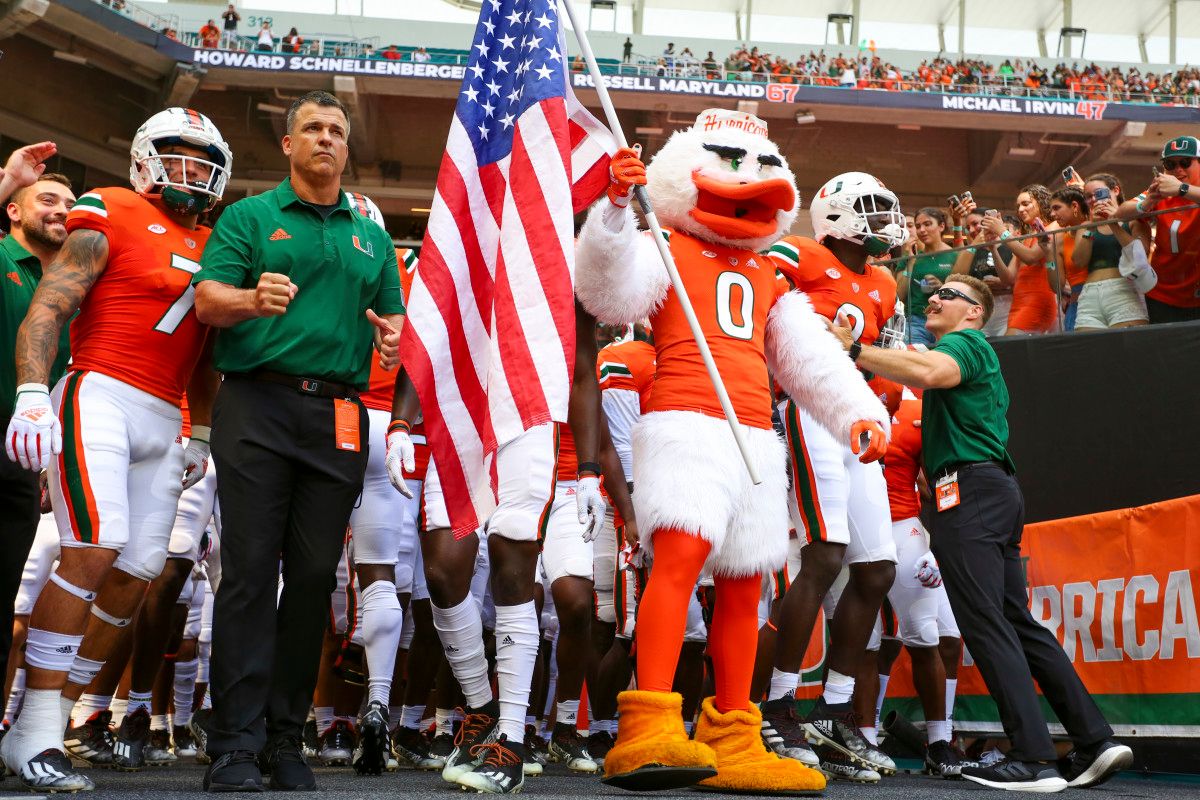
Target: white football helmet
(891, 335)
(366, 206)
(856, 207)
(200, 189)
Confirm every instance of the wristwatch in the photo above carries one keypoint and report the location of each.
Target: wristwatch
(854, 351)
(1184, 189)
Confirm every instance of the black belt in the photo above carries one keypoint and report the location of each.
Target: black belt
(313, 386)
(963, 466)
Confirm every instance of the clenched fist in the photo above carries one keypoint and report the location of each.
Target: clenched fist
(626, 170)
(273, 294)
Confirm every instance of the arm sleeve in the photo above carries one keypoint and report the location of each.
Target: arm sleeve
(622, 407)
(964, 349)
(389, 299)
(227, 255)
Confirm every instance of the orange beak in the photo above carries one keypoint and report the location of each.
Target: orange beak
(741, 210)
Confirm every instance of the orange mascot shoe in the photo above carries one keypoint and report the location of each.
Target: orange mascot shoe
(744, 765)
(653, 750)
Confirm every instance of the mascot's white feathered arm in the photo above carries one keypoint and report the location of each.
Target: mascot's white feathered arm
(811, 366)
(619, 275)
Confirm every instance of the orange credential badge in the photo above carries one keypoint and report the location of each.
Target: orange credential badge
(345, 425)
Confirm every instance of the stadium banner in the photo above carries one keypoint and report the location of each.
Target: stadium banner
(786, 93)
(1118, 589)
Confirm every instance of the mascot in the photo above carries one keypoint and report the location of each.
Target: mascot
(724, 193)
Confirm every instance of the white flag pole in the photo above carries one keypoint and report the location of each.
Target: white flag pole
(639, 193)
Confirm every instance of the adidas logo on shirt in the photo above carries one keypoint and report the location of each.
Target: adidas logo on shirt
(279, 235)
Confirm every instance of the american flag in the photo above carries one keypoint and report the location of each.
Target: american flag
(490, 337)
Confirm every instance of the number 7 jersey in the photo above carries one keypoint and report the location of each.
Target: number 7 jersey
(137, 323)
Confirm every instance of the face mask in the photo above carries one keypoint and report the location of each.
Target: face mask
(184, 202)
(876, 246)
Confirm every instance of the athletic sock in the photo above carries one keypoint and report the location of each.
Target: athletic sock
(516, 653)
(444, 720)
(184, 690)
(13, 707)
(118, 707)
(951, 689)
(394, 713)
(937, 731)
(871, 735)
(839, 688)
(158, 722)
(139, 700)
(461, 631)
(603, 726)
(65, 706)
(782, 683)
(410, 716)
(38, 728)
(883, 682)
(688, 725)
(206, 703)
(382, 621)
(324, 718)
(568, 713)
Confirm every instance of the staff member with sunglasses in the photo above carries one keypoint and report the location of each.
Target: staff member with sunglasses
(1176, 256)
(978, 518)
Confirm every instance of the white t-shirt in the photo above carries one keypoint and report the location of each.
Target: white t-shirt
(265, 38)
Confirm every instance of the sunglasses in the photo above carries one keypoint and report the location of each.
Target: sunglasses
(946, 293)
(1177, 163)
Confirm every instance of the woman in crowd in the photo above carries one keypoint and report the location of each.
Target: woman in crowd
(1108, 299)
(1036, 282)
(1069, 207)
(987, 260)
(923, 274)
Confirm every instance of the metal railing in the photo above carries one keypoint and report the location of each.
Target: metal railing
(155, 22)
(327, 45)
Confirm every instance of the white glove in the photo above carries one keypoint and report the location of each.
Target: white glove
(195, 456)
(401, 458)
(590, 504)
(633, 557)
(928, 574)
(34, 432)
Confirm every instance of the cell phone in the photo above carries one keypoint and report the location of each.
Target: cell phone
(1068, 174)
(954, 201)
(967, 196)
(1103, 193)
(1038, 225)
(991, 212)
(1157, 170)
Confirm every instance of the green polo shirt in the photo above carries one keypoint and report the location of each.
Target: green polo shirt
(20, 272)
(968, 422)
(341, 265)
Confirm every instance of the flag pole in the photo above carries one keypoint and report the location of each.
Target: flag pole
(639, 193)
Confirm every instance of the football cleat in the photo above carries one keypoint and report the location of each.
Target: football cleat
(129, 746)
(185, 743)
(783, 731)
(837, 765)
(51, 771)
(478, 727)
(568, 747)
(371, 754)
(440, 749)
(942, 760)
(411, 748)
(337, 744)
(92, 741)
(500, 769)
(837, 727)
(158, 749)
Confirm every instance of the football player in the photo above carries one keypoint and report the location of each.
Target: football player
(838, 501)
(109, 434)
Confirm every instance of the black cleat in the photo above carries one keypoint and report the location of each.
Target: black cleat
(158, 749)
(51, 771)
(783, 731)
(370, 756)
(337, 744)
(478, 727)
(129, 746)
(942, 760)
(92, 741)
(598, 744)
(568, 747)
(836, 726)
(411, 748)
(501, 770)
(185, 743)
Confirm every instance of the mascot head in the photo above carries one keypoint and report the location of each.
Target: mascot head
(722, 180)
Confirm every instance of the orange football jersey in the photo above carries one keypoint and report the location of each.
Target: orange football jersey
(902, 462)
(732, 292)
(137, 323)
(629, 366)
(1176, 256)
(867, 300)
(568, 457)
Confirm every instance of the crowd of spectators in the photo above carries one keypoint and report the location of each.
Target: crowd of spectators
(869, 71)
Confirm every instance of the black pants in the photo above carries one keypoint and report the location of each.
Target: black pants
(978, 547)
(1161, 313)
(20, 501)
(286, 494)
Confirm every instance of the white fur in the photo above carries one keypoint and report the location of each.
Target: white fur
(811, 366)
(619, 276)
(673, 194)
(689, 476)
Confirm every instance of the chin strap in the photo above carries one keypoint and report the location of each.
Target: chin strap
(182, 201)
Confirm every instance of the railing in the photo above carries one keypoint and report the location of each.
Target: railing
(155, 22)
(329, 45)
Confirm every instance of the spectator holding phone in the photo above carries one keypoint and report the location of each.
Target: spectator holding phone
(266, 39)
(923, 275)
(1176, 256)
(1108, 299)
(1035, 303)
(988, 260)
(1069, 207)
(210, 35)
(229, 36)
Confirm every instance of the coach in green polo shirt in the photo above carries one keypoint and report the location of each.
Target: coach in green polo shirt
(295, 279)
(36, 207)
(977, 519)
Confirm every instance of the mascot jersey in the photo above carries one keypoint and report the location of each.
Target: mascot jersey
(732, 291)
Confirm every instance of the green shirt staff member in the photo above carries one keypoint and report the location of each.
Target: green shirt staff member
(299, 283)
(36, 207)
(977, 521)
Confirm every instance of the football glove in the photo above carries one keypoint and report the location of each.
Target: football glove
(875, 444)
(591, 506)
(625, 171)
(195, 456)
(400, 458)
(34, 432)
(928, 574)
